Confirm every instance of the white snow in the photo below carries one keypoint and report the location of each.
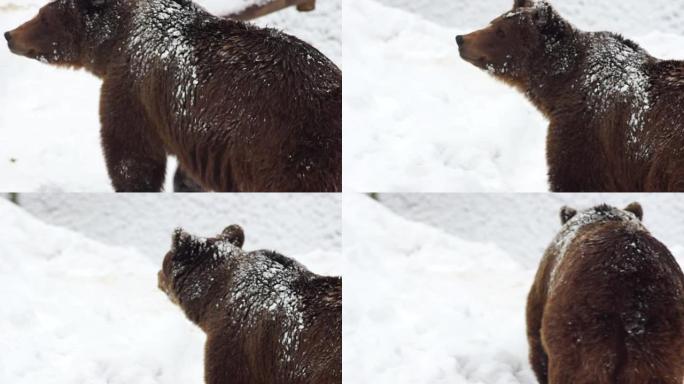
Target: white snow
(419, 118)
(49, 124)
(421, 306)
(424, 305)
(75, 310)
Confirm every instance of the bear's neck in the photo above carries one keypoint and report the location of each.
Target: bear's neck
(103, 41)
(549, 84)
(196, 289)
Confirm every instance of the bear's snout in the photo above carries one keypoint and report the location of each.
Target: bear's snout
(161, 281)
(459, 40)
(15, 43)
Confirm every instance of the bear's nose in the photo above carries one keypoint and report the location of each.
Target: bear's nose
(459, 40)
(8, 37)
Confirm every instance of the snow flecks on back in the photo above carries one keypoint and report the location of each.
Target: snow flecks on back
(615, 74)
(263, 287)
(570, 229)
(161, 35)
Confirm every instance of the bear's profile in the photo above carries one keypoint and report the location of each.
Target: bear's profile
(242, 108)
(607, 303)
(268, 319)
(614, 111)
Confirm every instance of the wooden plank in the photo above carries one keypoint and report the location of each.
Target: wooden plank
(255, 11)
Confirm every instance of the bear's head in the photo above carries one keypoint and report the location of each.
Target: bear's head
(68, 32)
(569, 216)
(575, 222)
(506, 47)
(191, 254)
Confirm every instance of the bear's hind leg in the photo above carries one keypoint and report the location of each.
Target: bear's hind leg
(184, 183)
(537, 355)
(538, 360)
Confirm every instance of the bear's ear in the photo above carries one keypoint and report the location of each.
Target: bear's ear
(636, 209)
(550, 23)
(544, 15)
(522, 3)
(183, 244)
(234, 234)
(567, 213)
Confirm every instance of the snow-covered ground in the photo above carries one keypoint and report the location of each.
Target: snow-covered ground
(440, 298)
(77, 310)
(49, 125)
(639, 17)
(418, 118)
(523, 224)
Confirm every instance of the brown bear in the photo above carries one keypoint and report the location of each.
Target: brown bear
(614, 111)
(607, 303)
(268, 319)
(242, 108)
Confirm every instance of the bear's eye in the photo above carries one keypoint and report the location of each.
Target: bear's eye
(500, 33)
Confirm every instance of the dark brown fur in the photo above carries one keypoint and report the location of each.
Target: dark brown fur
(615, 112)
(268, 319)
(242, 108)
(606, 306)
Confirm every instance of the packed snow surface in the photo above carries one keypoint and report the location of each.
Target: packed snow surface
(419, 118)
(49, 124)
(429, 303)
(292, 224)
(75, 310)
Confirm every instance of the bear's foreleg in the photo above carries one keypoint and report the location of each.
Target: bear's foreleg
(224, 363)
(135, 156)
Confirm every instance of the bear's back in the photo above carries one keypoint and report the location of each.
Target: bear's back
(235, 102)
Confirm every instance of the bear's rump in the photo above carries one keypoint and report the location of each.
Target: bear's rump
(617, 304)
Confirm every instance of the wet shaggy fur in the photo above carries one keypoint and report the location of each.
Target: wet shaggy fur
(615, 113)
(242, 108)
(607, 303)
(268, 319)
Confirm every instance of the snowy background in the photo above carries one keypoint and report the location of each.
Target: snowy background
(49, 125)
(418, 118)
(78, 279)
(436, 285)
